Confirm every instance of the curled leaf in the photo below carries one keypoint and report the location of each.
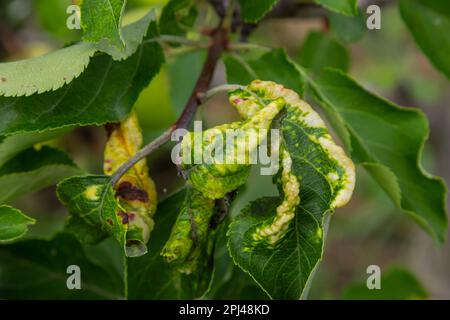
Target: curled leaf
(334, 163)
(93, 209)
(135, 191)
(331, 160)
(285, 212)
(125, 211)
(226, 152)
(190, 232)
(217, 161)
(279, 241)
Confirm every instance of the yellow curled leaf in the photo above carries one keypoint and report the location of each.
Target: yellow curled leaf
(306, 143)
(285, 212)
(135, 191)
(339, 170)
(225, 152)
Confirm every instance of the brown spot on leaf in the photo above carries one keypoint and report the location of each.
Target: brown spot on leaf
(129, 192)
(109, 221)
(124, 217)
(3, 79)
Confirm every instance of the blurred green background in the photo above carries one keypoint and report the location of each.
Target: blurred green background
(369, 231)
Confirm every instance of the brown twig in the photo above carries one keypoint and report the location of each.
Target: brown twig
(219, 43)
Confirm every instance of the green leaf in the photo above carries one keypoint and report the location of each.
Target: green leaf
(32, 170)
(273, 66)
(135, 191)
(279, 243)
(320, 50)
(229, 281)
(45, 73)
(346, 28)
(240, 286)
(396, 284)
(13, 224)
(104, 93)
(37, 269)
(94, 211)
(347, 7)
(109, 256)
(429, 22)
(252, 11)
(133, 35)
(392, 155)
(52, 71)
(282, 272)
(102, 20)
(84, 232)
(191, 233)
(388, 141)
(150, 277)
(12, 145)
(177, 17)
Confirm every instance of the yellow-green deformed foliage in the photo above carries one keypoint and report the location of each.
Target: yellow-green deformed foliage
(135, 191)
(190, 233)
(286, 210)
(215, 176)
(217, 165)
(212, 177)
(334, 164)
(279, 240)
